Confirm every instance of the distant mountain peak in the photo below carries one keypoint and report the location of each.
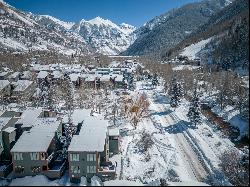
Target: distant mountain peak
(99, 21)
(127, 26)
(105, 36)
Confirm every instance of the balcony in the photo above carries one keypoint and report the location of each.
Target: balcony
(50, 157)
(107, 171)
(57, 167)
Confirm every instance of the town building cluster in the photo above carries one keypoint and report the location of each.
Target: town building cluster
(31, 137)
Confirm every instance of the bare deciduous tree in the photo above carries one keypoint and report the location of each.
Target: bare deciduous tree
(138, 109)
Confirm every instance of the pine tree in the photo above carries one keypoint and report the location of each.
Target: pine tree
(43, 92)
(68, 95)
(155, 81)
(194, 113)
(175, 93)
(130, 82)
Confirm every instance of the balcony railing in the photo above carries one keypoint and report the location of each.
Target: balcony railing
(50, 157)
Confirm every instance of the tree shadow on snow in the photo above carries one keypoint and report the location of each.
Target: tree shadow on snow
(179, 127)
(161, 99)
(166, 112)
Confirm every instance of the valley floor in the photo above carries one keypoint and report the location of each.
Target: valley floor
(179, 153)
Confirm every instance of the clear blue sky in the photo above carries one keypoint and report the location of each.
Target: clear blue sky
(134, 12)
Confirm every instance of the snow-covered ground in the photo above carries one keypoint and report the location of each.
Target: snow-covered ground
(193, 49)
(181, 154)
(185, 67)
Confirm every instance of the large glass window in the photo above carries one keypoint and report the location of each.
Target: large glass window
(74, 157)
(18, 156)
(91, 169)
(91, 157)
(75, 169)
(36, 169)
(19, 169)
(34, 156)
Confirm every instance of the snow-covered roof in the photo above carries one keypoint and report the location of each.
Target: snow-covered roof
(33, 141)
(105, 78)
(57, 74)
(39, 137)
(26, 75)
(119, 78)
(128, 70)
(3, 84)
(84, 75)
(78, 116)
(90, 78)
(29, 116)
(22, 85)
(14, 75)
(93, 134)
(4, 121)
(116, 69)
(46, 125)
(42, 74)
(39, 67)
(74, 77)
(113, 132)
(3, 73)
(10, 129)
(103, 69)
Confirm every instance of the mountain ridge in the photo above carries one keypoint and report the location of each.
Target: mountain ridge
(97, 35)
(172, 27)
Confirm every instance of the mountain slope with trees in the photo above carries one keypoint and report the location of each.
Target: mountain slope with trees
(167, 30)
(229, 46)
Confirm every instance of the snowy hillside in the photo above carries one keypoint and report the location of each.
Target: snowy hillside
(49, 20)
(192, 50)
(105, 36)
(167, 30)
(21, 32)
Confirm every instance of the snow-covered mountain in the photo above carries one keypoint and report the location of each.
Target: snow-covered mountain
(105, 36)
(50, 21)
(223, 42)
(170, 28)
(22, 32)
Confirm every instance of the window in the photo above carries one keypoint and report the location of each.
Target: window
(18, 156)
(45, 168)
(91, 157)
(34, 156)
(35, 169)
(43, 156)
(75, 169)
(19, 169)
(74, 157)
(91, 169)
